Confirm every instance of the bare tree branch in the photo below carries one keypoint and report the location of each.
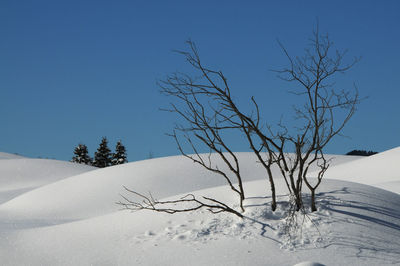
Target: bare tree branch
(186, 203)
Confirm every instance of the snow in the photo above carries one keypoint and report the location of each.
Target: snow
(94, 193)
(393, 186)
(377, 170)
(309, 263)
(72, 218)
(4, 155)
(21, 175)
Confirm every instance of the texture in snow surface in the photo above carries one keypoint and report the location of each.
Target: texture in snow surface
(72, 219)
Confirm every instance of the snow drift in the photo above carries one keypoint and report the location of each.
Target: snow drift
(95, 193)
(4, 155)
(20, 175)
(378, 170)
(72, 219)
(355, 224)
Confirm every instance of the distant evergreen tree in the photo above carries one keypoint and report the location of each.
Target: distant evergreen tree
(361, 153)
(102, 157)
(119, 157)
(81, 155)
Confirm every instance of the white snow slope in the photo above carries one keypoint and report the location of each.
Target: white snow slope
(20, 175)
(4, 155)
(94, 193)
(74, 221)
(378, 170)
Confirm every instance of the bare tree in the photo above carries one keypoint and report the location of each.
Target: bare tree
(205, 104)
(209, 110)
(202, 105)
(325, 111)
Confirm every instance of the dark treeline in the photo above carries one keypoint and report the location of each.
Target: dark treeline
(103, 157)
(361, 153)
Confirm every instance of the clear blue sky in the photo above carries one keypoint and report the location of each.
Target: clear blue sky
(74, 71)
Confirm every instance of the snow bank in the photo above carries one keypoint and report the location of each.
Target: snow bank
(95, 193)
(4, 155)
(309, 263)
(73, 220)
(378, 170)
(20, 175)
(356, 225)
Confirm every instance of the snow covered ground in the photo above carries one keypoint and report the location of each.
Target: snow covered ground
(20, 175)
(378, 170)
(4, 155)
(58, 213)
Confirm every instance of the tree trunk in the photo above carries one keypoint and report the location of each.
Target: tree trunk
(273, 203)
(299, 202)
(313, 207)
(241, 201)
(272, 184)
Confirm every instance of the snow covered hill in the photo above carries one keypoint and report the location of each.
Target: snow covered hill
(378, 170)
(21, 175)
(94, 193)
(4, 155)
(72, 218)
(356, 225)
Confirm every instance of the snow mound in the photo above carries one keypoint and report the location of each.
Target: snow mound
(377, 170)
(393, 186)
(309, 263)
(73, 220)
(355, 224)
(95, 193)
(4, 155)
(20, 175)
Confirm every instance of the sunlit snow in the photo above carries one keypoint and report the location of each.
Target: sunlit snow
(59, 213)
